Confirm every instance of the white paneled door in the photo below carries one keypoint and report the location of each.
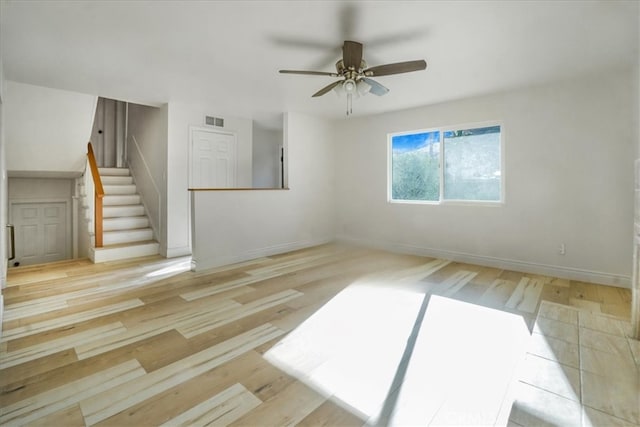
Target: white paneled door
(40, 232)
(213, 159)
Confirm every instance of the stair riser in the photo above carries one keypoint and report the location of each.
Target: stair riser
(116, 180)
(120, 211)
(116, 200)
(119, 189)
(117, 237)
(114, 254)
(110, 224)
(114, 171)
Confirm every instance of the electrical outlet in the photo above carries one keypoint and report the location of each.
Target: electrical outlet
(562, 249)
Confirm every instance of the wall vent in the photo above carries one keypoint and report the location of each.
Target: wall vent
(214, 121)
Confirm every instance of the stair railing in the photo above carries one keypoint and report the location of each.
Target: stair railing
(98, 195)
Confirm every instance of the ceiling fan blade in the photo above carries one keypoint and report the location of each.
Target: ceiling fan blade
(347, 19)
(298, 43)
(352, 54)
(309, 73)
(376, 88)
(326, 89)
(397, 68)
(329, 59)
(397, 38)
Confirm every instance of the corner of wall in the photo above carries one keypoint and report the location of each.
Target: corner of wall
(4, 197)
(635, 90)
(178, 252)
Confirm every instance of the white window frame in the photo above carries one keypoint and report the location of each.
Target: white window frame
(442, 200)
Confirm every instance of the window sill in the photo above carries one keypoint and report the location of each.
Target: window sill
(479, 203)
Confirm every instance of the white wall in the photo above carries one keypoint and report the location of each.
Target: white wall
(232, 226)
(4, 201)
(635, 283)
(41, 189)
(147, 158)
(635, 113)
(181, 117)
(47, 129)
(569, 150)
(266, 157)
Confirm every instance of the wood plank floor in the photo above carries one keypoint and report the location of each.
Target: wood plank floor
(322, 336)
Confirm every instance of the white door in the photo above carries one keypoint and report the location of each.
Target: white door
(213, 159)
(40, 232)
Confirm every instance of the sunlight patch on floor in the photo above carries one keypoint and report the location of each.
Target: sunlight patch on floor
(171, 269)
(396, 357)
(463, 366)
(351, 347)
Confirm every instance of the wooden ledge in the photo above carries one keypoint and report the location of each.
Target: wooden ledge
(237, 189)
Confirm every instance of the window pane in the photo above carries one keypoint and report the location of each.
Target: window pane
(472, 164)
(415, 166)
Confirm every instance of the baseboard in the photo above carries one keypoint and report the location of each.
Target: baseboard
(205, 264)
(562, 272)
(178, 252)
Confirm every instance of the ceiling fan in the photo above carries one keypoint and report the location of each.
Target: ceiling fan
(355, 76)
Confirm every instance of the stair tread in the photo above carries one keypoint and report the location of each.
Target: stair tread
(128, 244)
(128, 217)
(116, 180)
(104, 208)
(128, 230)
(110, 169)
(121, 199)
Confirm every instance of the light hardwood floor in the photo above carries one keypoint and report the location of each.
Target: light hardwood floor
(330, 335)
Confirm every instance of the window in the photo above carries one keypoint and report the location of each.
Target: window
(415, 166)
(458, 164)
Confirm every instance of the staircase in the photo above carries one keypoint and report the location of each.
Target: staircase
(126, 228)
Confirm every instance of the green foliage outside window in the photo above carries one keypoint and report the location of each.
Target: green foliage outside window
(416, 176)
(472, 165)
(415, 159)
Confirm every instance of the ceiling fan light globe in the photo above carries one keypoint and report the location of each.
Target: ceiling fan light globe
(349, 86)
(363, 87)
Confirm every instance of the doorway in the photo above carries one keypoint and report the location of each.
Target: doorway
(108, 136)
(213, 159)
(40, 232)
(40, 208)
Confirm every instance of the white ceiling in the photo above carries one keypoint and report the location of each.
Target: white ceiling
(228, 53)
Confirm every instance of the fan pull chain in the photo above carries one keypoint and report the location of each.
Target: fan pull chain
(349, 104)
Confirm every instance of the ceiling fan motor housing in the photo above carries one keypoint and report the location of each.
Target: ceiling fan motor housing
(344, 72)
